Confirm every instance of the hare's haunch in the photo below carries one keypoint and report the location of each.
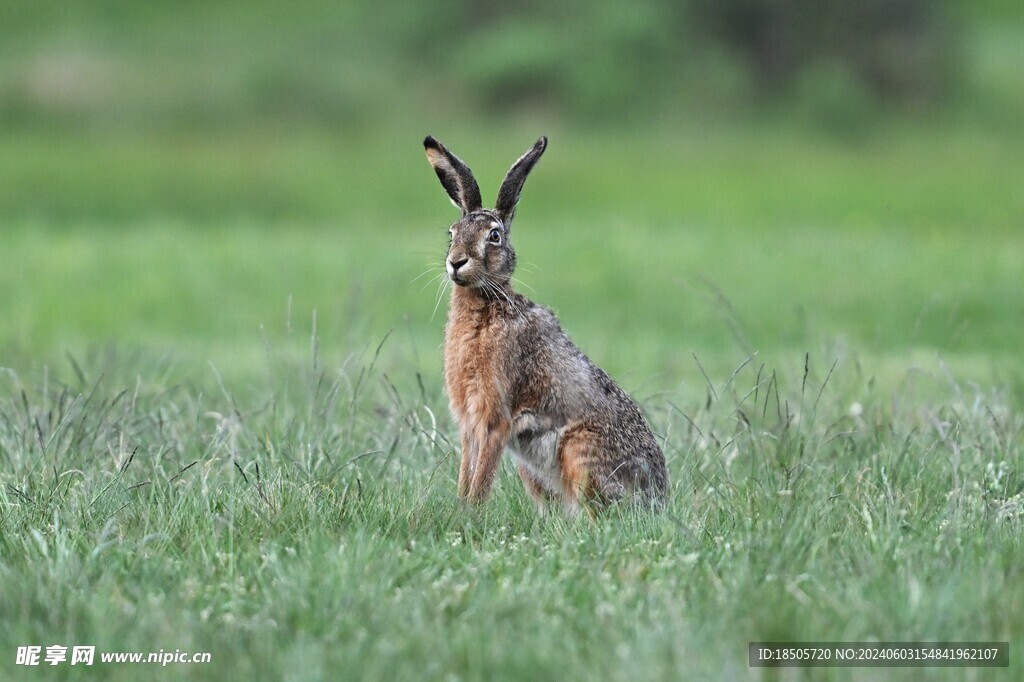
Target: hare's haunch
(515, 379)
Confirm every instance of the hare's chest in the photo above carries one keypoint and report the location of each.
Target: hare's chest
(472, 376)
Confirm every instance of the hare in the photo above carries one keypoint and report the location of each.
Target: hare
(515, 379)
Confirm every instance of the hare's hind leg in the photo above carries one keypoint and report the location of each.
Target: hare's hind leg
(580, 450)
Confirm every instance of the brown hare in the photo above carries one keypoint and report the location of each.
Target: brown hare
(514, 378)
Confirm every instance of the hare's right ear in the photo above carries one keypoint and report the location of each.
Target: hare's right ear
(455, 176)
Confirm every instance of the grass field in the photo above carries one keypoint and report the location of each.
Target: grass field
(222, 423)
(338, 545)
(713, 240)
(222, 426)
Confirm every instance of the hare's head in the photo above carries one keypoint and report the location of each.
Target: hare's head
(480, 255)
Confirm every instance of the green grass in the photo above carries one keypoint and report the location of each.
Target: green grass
(181, 298)
(721, 241)
(318, 532)
(222, 422)
(221, 301)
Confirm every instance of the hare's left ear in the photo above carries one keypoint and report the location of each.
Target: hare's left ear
(508, 195)
(455, 176)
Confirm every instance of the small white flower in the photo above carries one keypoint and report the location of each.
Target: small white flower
(690, 558)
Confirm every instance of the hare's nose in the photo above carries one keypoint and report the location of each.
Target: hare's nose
(456, 264)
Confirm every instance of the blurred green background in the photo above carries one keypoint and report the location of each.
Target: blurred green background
(197, 178)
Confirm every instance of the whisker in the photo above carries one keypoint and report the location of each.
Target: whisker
(487, 286)
(430, 281)
(425, 272)
(440, 295)
(519, 281)
(498, 290)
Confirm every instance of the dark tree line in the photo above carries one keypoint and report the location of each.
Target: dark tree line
(602, 54)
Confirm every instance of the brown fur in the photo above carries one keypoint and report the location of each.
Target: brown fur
(514, 378)
(579, 447)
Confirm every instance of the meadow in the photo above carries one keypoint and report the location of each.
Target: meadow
(226, 432)
(222, 422)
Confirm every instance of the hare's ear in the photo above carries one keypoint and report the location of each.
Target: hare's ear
(508, 195)
(455, 176)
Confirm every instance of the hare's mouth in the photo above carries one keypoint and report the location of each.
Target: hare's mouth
(462, 279)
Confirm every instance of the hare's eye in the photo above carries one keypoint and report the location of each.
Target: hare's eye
(494, 237)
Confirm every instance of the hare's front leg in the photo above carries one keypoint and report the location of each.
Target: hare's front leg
(469, 450)
(491, 448)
